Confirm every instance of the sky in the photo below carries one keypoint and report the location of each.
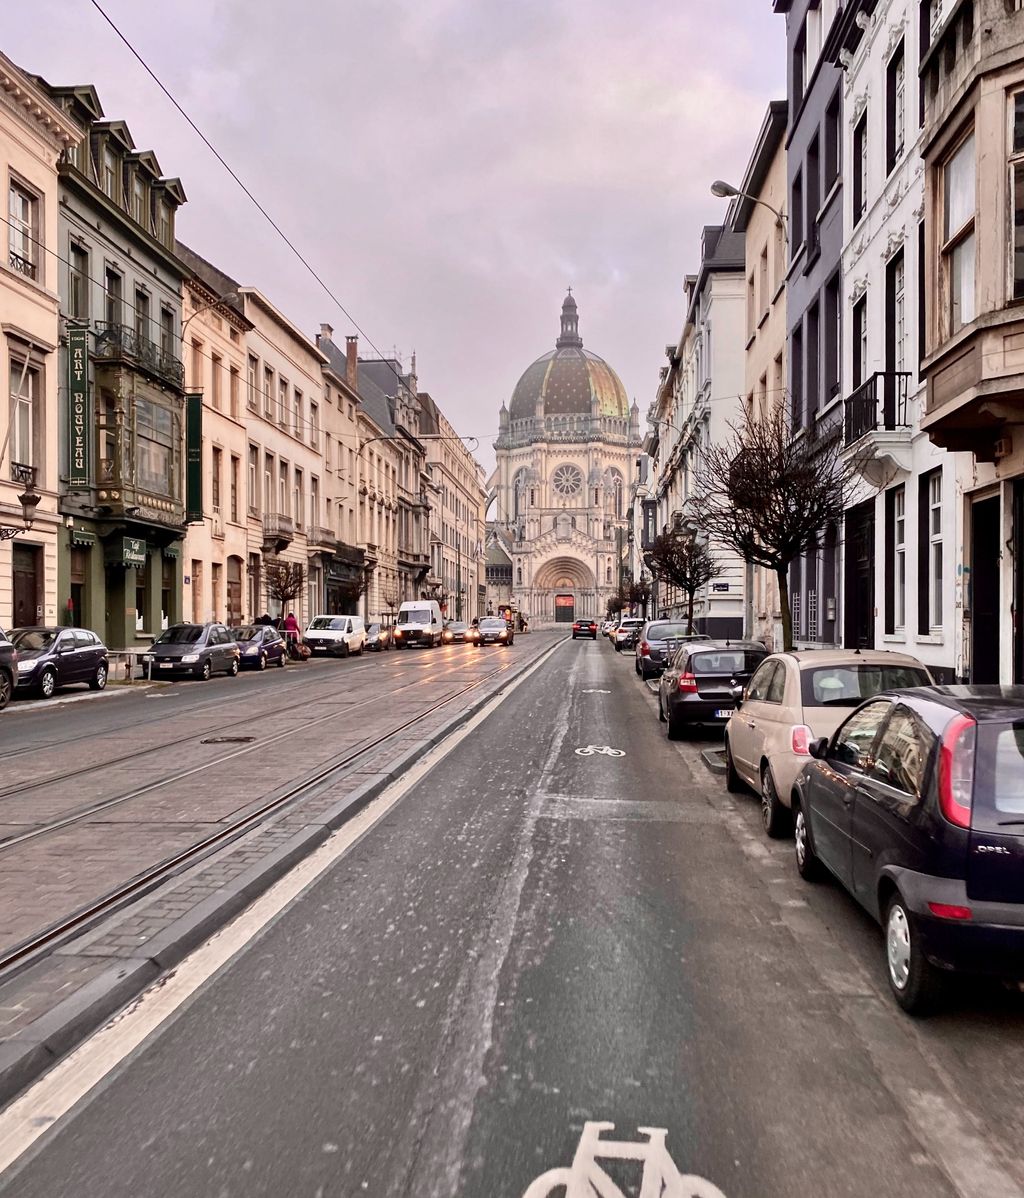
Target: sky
(448, 166)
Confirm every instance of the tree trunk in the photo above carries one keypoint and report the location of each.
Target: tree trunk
(691, 595)
(782, 573)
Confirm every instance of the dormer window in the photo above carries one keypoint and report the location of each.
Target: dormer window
(110, 174)
(163, 226)
(140, 213)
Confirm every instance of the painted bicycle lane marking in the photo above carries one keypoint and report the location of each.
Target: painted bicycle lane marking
(599, 751)
(585, 1178)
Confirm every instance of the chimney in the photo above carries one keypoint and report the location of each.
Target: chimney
(326, 333)
(352, 361)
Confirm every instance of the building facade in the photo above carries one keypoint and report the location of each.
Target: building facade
(565, 451)
(122, 468)
(34, 133)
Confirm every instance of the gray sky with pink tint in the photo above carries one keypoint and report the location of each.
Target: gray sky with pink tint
(448, 165)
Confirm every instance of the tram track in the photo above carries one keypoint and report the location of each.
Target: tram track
(58, 932)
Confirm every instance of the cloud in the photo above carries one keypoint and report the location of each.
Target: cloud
(448, 165)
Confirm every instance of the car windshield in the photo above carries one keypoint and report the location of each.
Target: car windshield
(336, 623)
(666, 632)
(33, 638)
(848, 685)
(373, 630)
(726, 661)
(180, 634)
(459, 626)
(491, 624)
(418, 615)
(249, 633)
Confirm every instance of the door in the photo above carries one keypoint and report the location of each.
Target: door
(831, 787)
(986, 552)
(565, 609)
(860, 576)
(66, 663)
(26, 562)
(89, 654)
(887, 804)
(234, 596)
(745, 730)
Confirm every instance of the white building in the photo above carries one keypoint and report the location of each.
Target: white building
(901, 535)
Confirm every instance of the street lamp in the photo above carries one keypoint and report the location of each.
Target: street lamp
(221, 299)
(726, 191)
(28, 499)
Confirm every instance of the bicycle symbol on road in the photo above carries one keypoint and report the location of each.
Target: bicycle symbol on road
(597, 750)
(585, 1178)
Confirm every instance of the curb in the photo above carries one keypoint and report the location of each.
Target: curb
(33, 1050)
(714, 759)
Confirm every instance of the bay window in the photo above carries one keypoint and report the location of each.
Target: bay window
(156, 439)
(959, 245)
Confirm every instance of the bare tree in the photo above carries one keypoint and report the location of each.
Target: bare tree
(639, 595)
(771, 496)
(284, 580)
(683, 561)
(615, 604)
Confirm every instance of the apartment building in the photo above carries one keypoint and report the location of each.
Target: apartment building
(34, 133)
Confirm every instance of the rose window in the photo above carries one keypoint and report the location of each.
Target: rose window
(567, 481)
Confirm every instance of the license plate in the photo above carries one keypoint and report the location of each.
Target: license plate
(166, 665)
(723, 713)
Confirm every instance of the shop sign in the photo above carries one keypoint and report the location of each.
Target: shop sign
(194, 458)
(126, 551)
(79, 415)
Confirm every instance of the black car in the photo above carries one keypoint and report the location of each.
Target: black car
(584, 626)
(657, 643)
(700, 683)
(261, 645)
(916, 805)
(457, 632)
(8, 670)
(196, 649)
(52, 657)
(492, 630)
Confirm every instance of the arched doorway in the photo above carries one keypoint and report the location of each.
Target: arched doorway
(564, 588)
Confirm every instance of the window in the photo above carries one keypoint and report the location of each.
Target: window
(760, 684)
(24, 393)
(163, 226)
(252, 384)
(800, 71)
(903, 752)
(282, 402)
(113, 300)
(233, 386)
(314, 502)
(833, 141)
(813, 176)
(854, 740)
(813, 364)
(762, 277)
(168, 343)
(751, 307)
(812, 38)
(895, 108)
(268, 483)
(929, 552)
(860, 168)
(235, 466)
(859, 347)
(1017, 194)
(254, 482)
(141, 314)
(958, 250)
(900, 546)
(297, 413)
(314, 425)
(796, 370)
(282, 489)
(298, 504)
(197, 365)
(216, 366)
(110, 172)
(268, 392)
(796, 210)
(22, 213)
(831, 340)
(139, 213)
(78, 283)
(897, 303)
(156, 462)
(215, 480)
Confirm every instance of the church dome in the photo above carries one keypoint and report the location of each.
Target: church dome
(569, 379)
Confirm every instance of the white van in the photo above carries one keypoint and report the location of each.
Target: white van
(419, 623)
(337, 636)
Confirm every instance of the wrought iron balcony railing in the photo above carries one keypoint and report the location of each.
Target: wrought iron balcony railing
(880, 402)
(23, 266)
(122, 343)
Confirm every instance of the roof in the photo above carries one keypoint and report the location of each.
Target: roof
(722, 249)
(374, 398)
(211, 277)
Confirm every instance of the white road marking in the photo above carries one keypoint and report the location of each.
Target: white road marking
(597, 692)
(600, 750)
(37, 1111)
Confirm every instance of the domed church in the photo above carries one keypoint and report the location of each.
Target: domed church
(566, 452)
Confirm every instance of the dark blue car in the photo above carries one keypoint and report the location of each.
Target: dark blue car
(261, 646)
(916, 805)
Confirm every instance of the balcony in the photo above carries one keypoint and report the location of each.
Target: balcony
(278, 532)
(876, 434)
(21, 265)
(121, 343)
(320, 539)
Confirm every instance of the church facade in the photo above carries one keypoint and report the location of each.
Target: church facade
(566, 451)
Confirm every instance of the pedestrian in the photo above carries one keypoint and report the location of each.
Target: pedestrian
(292, 634)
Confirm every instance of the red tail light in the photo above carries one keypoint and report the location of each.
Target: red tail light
(687, 683)
(800, 739)
(645, 649)
(949, 911)
(956, 770)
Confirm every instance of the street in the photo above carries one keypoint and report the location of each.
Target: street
(531, 939)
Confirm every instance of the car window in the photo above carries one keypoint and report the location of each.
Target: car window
(903, 753)
(32, 638)
(849, 684)
(853, 741)
(666, 631)
(777, 686)
(84, 640)
(999, 777)
(724, 661)
(180, 634)
(760, 684)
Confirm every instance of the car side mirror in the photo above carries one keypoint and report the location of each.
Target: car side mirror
(738, 695)
(819, 748)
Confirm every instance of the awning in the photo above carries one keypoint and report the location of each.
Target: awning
(80, 537)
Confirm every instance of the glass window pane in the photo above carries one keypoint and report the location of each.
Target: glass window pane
(960, 188)
(1018, 123)
(1018, 230)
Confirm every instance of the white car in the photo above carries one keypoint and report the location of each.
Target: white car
(336, 636)
(624, 630)
(793, 699)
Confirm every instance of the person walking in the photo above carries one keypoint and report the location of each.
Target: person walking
(292, 635)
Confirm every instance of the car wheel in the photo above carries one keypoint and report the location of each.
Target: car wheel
(47, 683)
(262, 663)
(775, 817)
(676, 726)
(6, 689)
(280, 662)
(99, 679)
(344, 649)
(915, 982)
(205, 670)
(808, 864)
(233, 669)
(733, 782)
(636, 666)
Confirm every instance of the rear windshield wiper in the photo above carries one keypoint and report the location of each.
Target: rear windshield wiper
(1010, 823)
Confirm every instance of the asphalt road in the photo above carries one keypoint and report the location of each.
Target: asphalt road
(534, 939)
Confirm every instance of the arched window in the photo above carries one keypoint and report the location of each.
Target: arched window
(518, 489)
(608, 574)
(574, 521)
(519, 576)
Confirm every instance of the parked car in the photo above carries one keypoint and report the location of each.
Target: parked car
(8, 669)
(584, 626)
(419, 623)
(261, 645)
(52, 657)
(792, 699)
(916, 805)
(336, 636)
(657, 643)
(700, 683)
(197, 649)
(458, 632)
(607, 627)
(494, 631)
(625, 631)
(378, 638)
